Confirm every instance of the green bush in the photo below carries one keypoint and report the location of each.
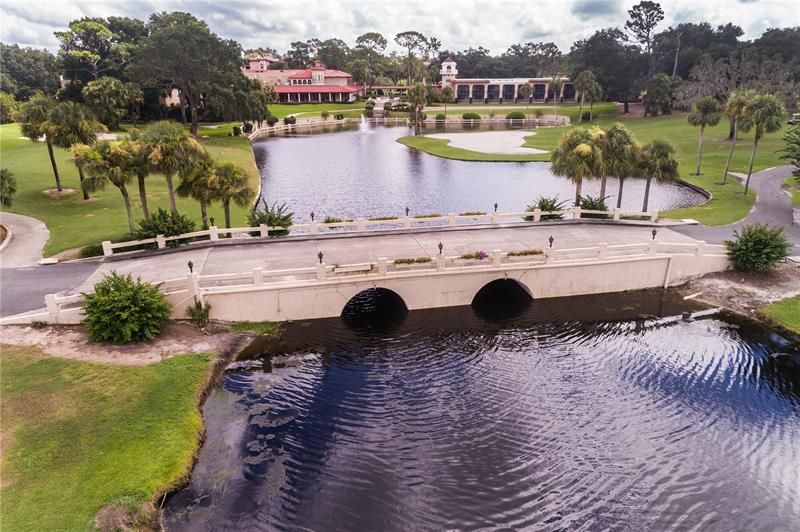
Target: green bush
(248, 127)
(237, 130)
(441, 117)
(515, 115)
(199, 312)
(471, 116)
(92, 250)
(122, 310)
(369, 113)
(412, 260)
(272, 216)
(525, 253)
(758, 248)
(546, 204)
(593, 204)
(387, 106)
(339, 116)
(586, 116)
(165, 223)
(538, 113)
(272, 120)
(326, 114)
(289, 120)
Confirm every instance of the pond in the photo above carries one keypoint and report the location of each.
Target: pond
(362, 172)
(600, 412)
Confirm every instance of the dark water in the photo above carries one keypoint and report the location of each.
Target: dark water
(363, 172)
(577, 414)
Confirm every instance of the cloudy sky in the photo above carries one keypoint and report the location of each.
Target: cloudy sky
(459, 25)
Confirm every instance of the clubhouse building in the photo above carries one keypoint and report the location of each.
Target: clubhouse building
(315, 84)
(505, 90)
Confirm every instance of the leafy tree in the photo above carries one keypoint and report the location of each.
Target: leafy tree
(109, 99)
(657, 161)
(620, 153)
(705, 112)
(70, 123)
(417, 98)
(660, 94)
(555, 87)
(448, 96)
(34, 115)
(230, 184)
(764, 114)
(595, 93)
(8, 108)
(206, 64)
(114, 162)
(86, 49)
(123, 310)
(333, 53)
(135, 100)
(301, 53)
(791, 150)
(197, 187)
(172, 152)
(372, 44)
(26, 71)
(644, 17)
(734, 109)
(524, 91)
(412, 41)
(8, 187)
(758, 248)
(577, 156)
(583, 84)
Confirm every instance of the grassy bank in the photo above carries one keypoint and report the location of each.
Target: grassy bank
(728, 204)
(786, 312)
(74, 222)
(793, 186)
(305, 110)
(78, 436)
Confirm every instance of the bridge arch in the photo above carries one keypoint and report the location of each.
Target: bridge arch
(502, 298)
(374, 306)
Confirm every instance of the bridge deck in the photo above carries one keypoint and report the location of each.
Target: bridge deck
(276, 255)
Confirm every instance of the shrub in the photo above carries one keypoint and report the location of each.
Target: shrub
(478, 255)
(92, 250)
(272, 120)
(272, 216)
(546, 204)
(369, 113)
(492, 113)
(525, 253)
(441, 117)
(428, 215)
(165, 223)
(382, 218)
(471, 116)
(339, 116)
(586, 116)
(593, 204)
(387, 106)
(122, 310)
(757, 248)
(248, 127)
(515, 115)
(412, 260)
(237, 131)
(199, 312)
(538, 113)
(473, 213)
(370, 105)
(289, 120)
(326, 114)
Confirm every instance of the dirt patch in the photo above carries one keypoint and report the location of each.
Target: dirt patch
(55, 193)
(746, 293)
(3, 234)
(70, 341)
(126, 517)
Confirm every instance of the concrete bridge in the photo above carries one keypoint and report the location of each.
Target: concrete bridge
(427, 281)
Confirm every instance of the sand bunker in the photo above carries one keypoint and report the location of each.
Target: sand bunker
(501, 142)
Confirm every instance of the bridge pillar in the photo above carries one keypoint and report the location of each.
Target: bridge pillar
(382, 264)
(451, 219)
(160, 242)
(440, 262)
(548, 256)
(258, 276)
(312, 228)
(700, 249)
(537, 215)
(406, 223)
(361, 224)
(262, 228)
(616, 214)
(321, 271)
(602, 251)
(107, 251)
(213, 233)
(651, 247)
(497, 257)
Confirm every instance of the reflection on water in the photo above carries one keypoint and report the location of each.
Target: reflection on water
(363, 172)
(580, 413)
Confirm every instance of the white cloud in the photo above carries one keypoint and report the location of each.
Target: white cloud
(494, 25)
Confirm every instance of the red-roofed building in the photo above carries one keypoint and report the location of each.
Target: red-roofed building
(314, 84)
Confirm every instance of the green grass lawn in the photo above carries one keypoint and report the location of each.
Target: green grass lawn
(74, 222)
(571, 110)
(305, 110)
(78, 436)
(793, 184)
(786, 312)
(728, 204)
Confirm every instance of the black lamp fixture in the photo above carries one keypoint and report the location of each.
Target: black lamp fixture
(654, 233)
(190, 264)
(312, 216)
(495, 206)
(319, 256)
(551, 240)
(212, 222)
(441, 246)
(407, 211)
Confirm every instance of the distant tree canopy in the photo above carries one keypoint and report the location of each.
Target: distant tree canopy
(25, 71)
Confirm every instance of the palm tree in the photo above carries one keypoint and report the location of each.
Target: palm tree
(110, 161)
(8, 187)
(734, 108)
(70, 123)
(525, 91)
(417, 98)
(33, 115)
(229, 183)
(763, 115)
(447, 97)
(142, 168)
(583, 84)
(620, 153)
(705, 112)
(657, 161)
(555, 86)
(595, 92)
(198, 188)
(173, 152)
(576, 157)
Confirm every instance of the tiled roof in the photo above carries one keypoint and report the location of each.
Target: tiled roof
(306, 89)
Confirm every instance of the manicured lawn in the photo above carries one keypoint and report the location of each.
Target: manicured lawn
(74, 222)
(728, 204)
(786, 312)
(78, 436)
(305, 110)
(570, 110)
(793, 184)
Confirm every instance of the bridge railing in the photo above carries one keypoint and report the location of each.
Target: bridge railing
(180, 291)
(369, 225)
